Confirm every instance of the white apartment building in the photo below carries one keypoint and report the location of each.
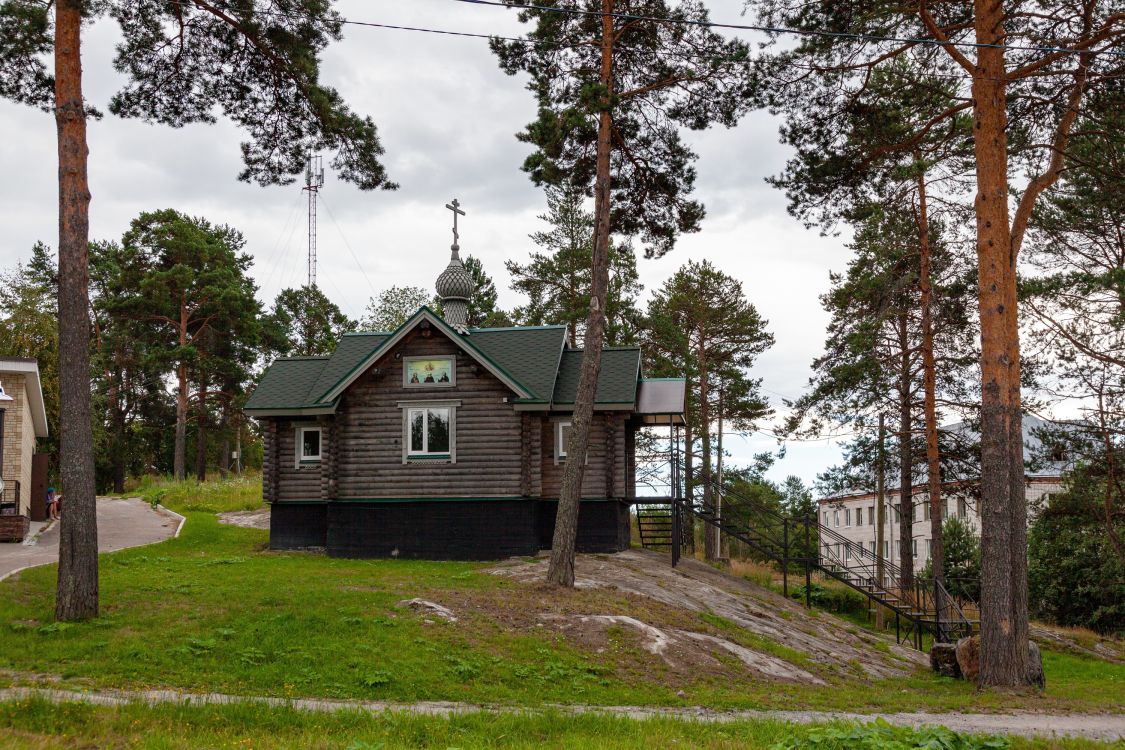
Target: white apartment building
(853, 517)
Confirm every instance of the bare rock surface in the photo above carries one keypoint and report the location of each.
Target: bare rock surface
(247, 519)
(818, 641)
(426, 607)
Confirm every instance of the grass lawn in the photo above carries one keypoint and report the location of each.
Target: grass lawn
(215, 611)
(213, 496)
(35, 725)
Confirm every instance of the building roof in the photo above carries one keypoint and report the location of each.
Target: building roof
(532, 360)
(662, 400)
(34, 389)
(617, 379)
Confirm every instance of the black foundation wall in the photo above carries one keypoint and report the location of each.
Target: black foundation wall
(603, 525)
(433, 530)
(298, 525)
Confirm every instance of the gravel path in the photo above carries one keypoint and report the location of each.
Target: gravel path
(1106, 727)
(121, 524)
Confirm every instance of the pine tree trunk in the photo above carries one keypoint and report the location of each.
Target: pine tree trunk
(201, 433)
(1004, 638)
(905, 460)
(1004, 522)
(711, 549)
(929, 378)
(77, 596)
(561, 568)
(880, 514)
(179, 448)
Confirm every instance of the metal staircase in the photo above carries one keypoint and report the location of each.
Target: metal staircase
(926, 607)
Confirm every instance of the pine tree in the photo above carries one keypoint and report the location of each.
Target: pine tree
(700, 320)
(557, 282)
(1009, 62)
(184, 62)
(613, 95)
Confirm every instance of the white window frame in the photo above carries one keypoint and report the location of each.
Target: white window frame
(560, 446)
(836, 518)
(847, 518)
(407, 408)
(299, 457)
(452, 371)
(870, 515)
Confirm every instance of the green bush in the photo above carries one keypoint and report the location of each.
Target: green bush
(833, 598)
(1075, 576)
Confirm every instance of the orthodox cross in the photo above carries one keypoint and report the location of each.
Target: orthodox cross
(455, 207)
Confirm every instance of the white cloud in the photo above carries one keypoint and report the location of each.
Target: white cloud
(447, 116)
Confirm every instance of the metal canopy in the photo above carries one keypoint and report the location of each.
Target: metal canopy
(662, 400)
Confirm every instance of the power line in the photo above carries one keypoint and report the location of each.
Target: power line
(781, 29)
(348, 245)
(685, 22)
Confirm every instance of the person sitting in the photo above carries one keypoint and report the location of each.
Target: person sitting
(53, 504)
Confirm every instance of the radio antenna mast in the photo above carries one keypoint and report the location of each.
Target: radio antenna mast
(314, 181)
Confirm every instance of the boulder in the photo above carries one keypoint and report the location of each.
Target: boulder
(943, 659)
(968, 657)
(1035, 675)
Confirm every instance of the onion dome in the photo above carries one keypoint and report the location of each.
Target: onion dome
(455, 286)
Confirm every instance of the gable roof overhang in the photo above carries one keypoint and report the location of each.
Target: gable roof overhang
(34, 389)
(331, 397)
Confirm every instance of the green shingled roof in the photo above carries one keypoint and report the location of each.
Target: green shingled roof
(350, 353)
(531, 355)
(617, 380)
(534, 356)
(287, 382)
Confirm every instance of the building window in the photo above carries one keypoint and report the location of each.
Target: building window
(872, 546)
(429, 372)
(886, 550)
(562, 438)
(961, 507)
(308, 445)
(870, 515)
(836, 518)
(847, 516)
(926, 512)
(929, 548)
(847, 553)
(825, 518)
(429, 430)
(914, 547)
(859, 516)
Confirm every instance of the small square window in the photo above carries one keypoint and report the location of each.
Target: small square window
(308, 445)
(562, 437)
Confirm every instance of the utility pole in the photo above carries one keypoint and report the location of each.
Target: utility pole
(314, 181)
(880, 514)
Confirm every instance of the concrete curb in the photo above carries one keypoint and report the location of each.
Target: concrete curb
(174, 514)
(158, 509)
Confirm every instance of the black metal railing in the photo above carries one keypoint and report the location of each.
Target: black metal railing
(10, 499)
(921, 606)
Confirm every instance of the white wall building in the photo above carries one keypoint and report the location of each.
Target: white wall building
(853, 517)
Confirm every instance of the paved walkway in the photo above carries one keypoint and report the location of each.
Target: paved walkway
(1105, 727)
(121, 524)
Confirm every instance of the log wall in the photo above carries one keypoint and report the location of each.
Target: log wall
(604, 475)
(370, 432)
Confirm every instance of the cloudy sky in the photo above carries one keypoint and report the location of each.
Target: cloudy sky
(447, 117)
